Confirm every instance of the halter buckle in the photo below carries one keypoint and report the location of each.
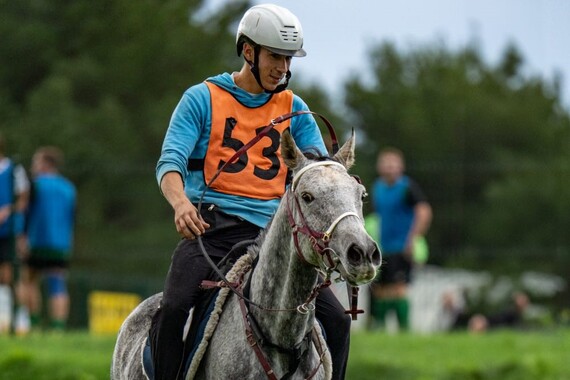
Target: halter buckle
(305, 308)
(314, 243)
(328, 261)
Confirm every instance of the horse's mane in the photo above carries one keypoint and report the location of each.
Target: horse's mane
(253, 249)
(315, 155)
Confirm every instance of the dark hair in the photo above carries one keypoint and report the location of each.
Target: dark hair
(52, 155)
(243, 39)
(392, 150)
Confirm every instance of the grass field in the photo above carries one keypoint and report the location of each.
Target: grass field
(504, 355)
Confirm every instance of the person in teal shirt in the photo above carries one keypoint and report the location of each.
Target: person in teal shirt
(50, 233)
(405, 219)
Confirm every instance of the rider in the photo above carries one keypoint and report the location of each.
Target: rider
(211, 122)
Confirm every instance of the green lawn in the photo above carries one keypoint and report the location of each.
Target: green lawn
(73, 356)
(501, 355)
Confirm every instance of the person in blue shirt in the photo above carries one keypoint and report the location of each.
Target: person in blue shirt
(50, 231)
(405, 216)
(210, 123)
(14, 194)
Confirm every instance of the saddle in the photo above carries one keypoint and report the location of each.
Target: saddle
(203, 323)
(199, 316)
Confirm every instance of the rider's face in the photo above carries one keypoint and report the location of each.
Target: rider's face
(272, 68)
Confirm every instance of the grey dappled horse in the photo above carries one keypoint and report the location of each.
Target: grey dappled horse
(318, 225)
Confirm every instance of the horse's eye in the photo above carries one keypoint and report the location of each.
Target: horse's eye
(364, 196)
(307, 197)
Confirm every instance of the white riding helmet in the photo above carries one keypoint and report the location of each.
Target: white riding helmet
(273, 27)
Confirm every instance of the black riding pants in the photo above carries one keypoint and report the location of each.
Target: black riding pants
(181, 292)
(330, 312)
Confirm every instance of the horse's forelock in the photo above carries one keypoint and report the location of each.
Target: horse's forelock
(313, 154)
(319, 158)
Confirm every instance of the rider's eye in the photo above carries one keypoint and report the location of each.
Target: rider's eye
(307, 197)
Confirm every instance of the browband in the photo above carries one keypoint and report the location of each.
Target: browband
(310, 166)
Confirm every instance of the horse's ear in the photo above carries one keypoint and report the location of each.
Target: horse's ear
(345, 154)
(291, 155)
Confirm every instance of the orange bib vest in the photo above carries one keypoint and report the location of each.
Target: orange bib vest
(260, 171)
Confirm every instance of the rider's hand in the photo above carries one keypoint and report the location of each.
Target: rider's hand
(189, 224)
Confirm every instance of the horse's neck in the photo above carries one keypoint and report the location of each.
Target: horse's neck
(281, 281)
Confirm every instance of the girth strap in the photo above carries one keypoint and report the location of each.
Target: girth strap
(255, 339)
(249, 335)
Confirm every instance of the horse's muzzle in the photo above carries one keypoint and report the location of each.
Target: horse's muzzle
(356, 255)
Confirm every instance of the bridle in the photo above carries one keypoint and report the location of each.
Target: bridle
(320, 244)
(319, 240)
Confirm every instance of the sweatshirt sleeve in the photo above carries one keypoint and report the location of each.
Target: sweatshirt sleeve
(186, 125)
(305, 130)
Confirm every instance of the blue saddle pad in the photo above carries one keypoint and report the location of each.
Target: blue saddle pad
(147, 354)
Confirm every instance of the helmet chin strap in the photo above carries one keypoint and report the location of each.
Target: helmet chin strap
(255, 71)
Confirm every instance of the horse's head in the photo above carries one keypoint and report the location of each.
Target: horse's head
(325, 213)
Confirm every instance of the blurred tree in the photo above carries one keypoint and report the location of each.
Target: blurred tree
(320, 102)
(488, 145)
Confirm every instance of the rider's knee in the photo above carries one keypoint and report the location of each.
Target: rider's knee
(173, 306)
(343, 323)
(338, 324)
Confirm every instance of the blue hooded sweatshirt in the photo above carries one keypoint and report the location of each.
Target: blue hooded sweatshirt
(188, 135)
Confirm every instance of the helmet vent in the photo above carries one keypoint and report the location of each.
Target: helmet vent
(289, 35)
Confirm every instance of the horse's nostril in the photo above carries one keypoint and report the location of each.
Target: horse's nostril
(354, 254)
(376, 257)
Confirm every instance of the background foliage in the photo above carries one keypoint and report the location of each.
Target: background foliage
(489, 144)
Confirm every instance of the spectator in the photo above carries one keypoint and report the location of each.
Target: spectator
(50, 232)
(458, 317)
(406, 216)
(511, 316)
(14, 195)
(453, 310)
